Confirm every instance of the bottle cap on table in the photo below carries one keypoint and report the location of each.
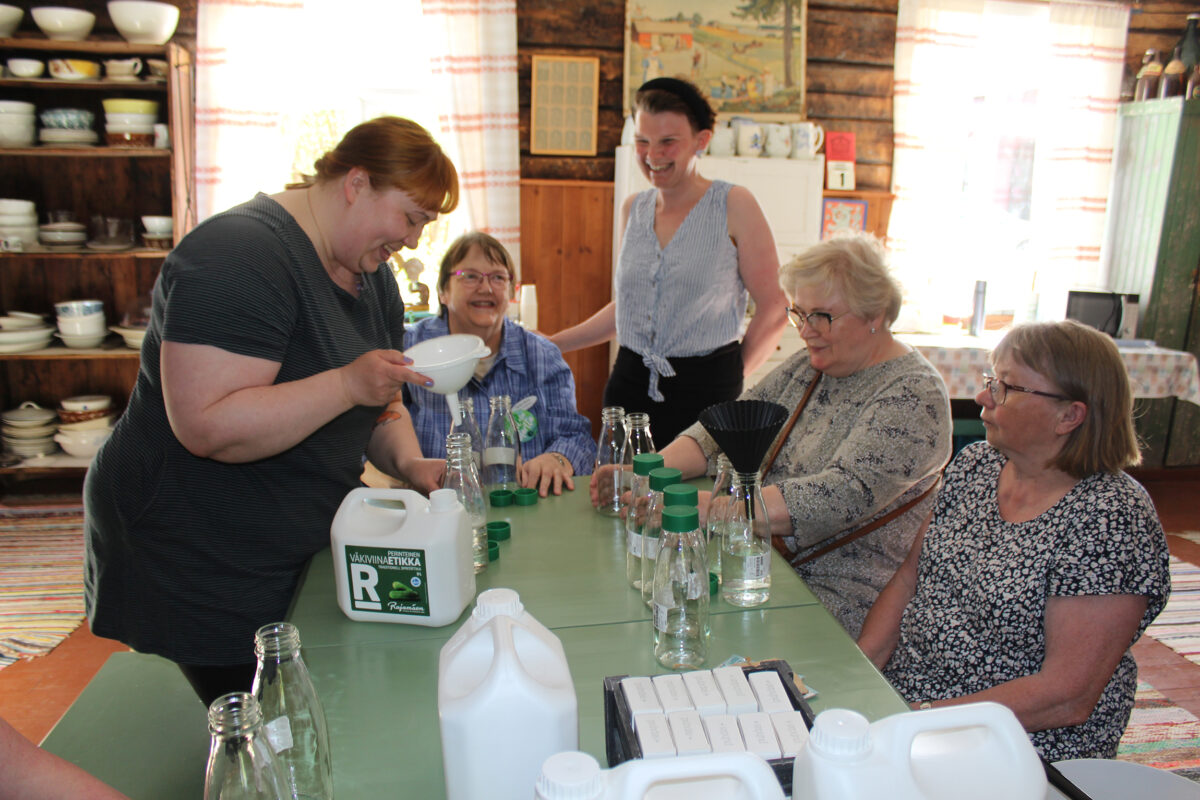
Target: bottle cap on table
(498, 531)
(494, 551)
(525, 497)
(501, 497)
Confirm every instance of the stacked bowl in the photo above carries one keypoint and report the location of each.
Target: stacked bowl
(64, 24)
(81, 323)
(144, 21)
(18, 221)
(28, 430)
(67, 126)
(10, 18)
(16, 123)
(86, 424)
(129, 122)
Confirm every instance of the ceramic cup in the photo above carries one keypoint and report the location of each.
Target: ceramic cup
(777, 138)
(125, 68)
(749, 139)
(157, 67)
(722, 142)
(25, 67)
(807, 138)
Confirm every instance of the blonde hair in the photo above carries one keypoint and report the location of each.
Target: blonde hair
(1084, 365)
(853, 265)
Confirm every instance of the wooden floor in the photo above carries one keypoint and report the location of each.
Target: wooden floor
(35, 693)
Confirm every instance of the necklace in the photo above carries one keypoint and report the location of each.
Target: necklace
(358, 281)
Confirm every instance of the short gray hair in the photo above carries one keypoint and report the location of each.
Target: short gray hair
(855, 266)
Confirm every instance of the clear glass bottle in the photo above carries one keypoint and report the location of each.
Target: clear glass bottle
(294, 718)
(469, 426)
(635, 514)
(500, 446)
(680, 610)
(637, 440)
(660, 479)
(746, 545)
(462, 477)
(608, 453)
(241, 763)
(713, 526)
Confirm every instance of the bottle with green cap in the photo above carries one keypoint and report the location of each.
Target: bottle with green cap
(680, 609)
(660, 479)
(635, 514)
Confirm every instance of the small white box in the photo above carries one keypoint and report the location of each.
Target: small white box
(723, 733)
(759, 734)
(791, 732)
(641, 697)
(654, 735)
(702, 688)
(672, 694)
(739, 697)
(688, 733)
(771, 694)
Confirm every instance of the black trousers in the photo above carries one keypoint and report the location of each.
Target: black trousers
(699, 382)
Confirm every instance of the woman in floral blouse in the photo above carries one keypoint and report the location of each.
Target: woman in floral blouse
(1043, 561)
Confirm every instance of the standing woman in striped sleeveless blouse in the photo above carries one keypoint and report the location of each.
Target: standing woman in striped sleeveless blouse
(692, 252)
(274, 345)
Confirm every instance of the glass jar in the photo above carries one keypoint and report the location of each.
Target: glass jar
(608, 454)
(746, 546)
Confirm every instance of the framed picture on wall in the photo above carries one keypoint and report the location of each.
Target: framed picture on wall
(747, 56)
(841, 214)
(564, 105)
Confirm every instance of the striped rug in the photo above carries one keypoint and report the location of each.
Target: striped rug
(41, 578)
(1161, 735)
(1178, 626)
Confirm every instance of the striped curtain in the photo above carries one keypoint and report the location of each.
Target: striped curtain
(1005, 114)
(477, 62)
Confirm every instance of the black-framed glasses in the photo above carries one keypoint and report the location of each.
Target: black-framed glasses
(819, 321)
(471, 279)
(999, 390)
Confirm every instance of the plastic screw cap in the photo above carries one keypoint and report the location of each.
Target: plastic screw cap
(498, 531)
(680, 494)
(526, 497)
(442, 500)
(841, 734)
(570, 776)
(495, 602)
(644, 462)
(493, 551)
(501, 497)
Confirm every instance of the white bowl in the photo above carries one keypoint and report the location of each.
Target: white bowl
(86, 402)
(13, 137)
(82, 447)
(133, 336)
(28, 236)
(33, 339)
(30, 431)
(158, 226)
(18, 220)
(82, 341)
(125, 128)
(92, 325)
(16, 321)
(126, 118)
(10, 18)
(16, 107)
(25, 67)
(449, 361)
(79, 308)
(144, 21)
(104, 422)
(64, 24)
(28, 414)
(11, 205)
(62, 237)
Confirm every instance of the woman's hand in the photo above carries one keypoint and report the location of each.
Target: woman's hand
(425, 474)
(374, 378)
(549, 471)
(602, 483)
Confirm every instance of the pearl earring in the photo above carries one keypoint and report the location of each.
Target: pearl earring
(872, 330)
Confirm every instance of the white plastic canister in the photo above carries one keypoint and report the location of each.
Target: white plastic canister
(977, 750)
(506, 701)
(398, 557)
(717, 776)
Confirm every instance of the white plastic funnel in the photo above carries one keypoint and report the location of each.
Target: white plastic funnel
(449, 361)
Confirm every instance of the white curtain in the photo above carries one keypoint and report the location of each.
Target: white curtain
(278, 83)
(1005, 114)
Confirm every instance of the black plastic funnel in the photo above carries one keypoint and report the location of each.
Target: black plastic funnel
(744, 430)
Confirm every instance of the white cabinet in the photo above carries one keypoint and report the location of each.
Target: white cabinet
(788, 190)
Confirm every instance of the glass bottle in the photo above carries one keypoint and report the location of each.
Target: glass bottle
(635, 514)
(500, 446)
(463, 478)
(294, 718)
(722, 486)
(680, 610)
(1189, 43)
(608, 453)
(746, 548)
(1193, 85)
(467, 424)
(241, 763)
(1174, 76)
(637, 440)
(1147, 77)
(660, 479)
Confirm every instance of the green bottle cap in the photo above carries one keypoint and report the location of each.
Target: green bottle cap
(662, 477)
(680, 519)
(644, 462)
(498, 531)
(526, 496)
(680, 494)
(501, 497)
(493, 551)
(714, 584)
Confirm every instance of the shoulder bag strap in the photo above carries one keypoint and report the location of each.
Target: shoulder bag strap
(791, 423)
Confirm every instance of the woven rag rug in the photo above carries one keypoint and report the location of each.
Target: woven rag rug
(41, 577)
(1178, 626)
(1160, 734)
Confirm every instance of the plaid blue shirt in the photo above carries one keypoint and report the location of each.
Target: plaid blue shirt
(527, 365)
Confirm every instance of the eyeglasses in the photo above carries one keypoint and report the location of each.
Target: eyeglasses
(471, 279)
(819, 321)
(999, 390)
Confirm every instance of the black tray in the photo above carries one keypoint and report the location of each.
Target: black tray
(621, 744)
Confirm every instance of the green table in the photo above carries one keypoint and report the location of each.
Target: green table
(138, 726)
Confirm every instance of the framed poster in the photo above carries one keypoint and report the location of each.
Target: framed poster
(564, 105)
(839, 214)
(747, 56)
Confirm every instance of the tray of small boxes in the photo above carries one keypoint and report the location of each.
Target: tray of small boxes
(750, 707)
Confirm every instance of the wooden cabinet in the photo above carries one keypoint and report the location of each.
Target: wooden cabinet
(87, 181)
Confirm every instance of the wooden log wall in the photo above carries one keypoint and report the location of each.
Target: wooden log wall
(1157, 25)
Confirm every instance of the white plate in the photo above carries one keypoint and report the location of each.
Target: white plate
(18, 322)
(133, 336)
(21, 335)
(24, 347)
(109, 247)
(66, 136)
(21, 432)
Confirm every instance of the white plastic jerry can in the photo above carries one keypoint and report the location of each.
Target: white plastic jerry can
(398, 557)
(714, 776)
(506, 701)
(977, 750)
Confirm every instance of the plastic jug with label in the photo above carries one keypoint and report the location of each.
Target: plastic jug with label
(398, 557)
(977, 750)
(506, 701)
(716, 776)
